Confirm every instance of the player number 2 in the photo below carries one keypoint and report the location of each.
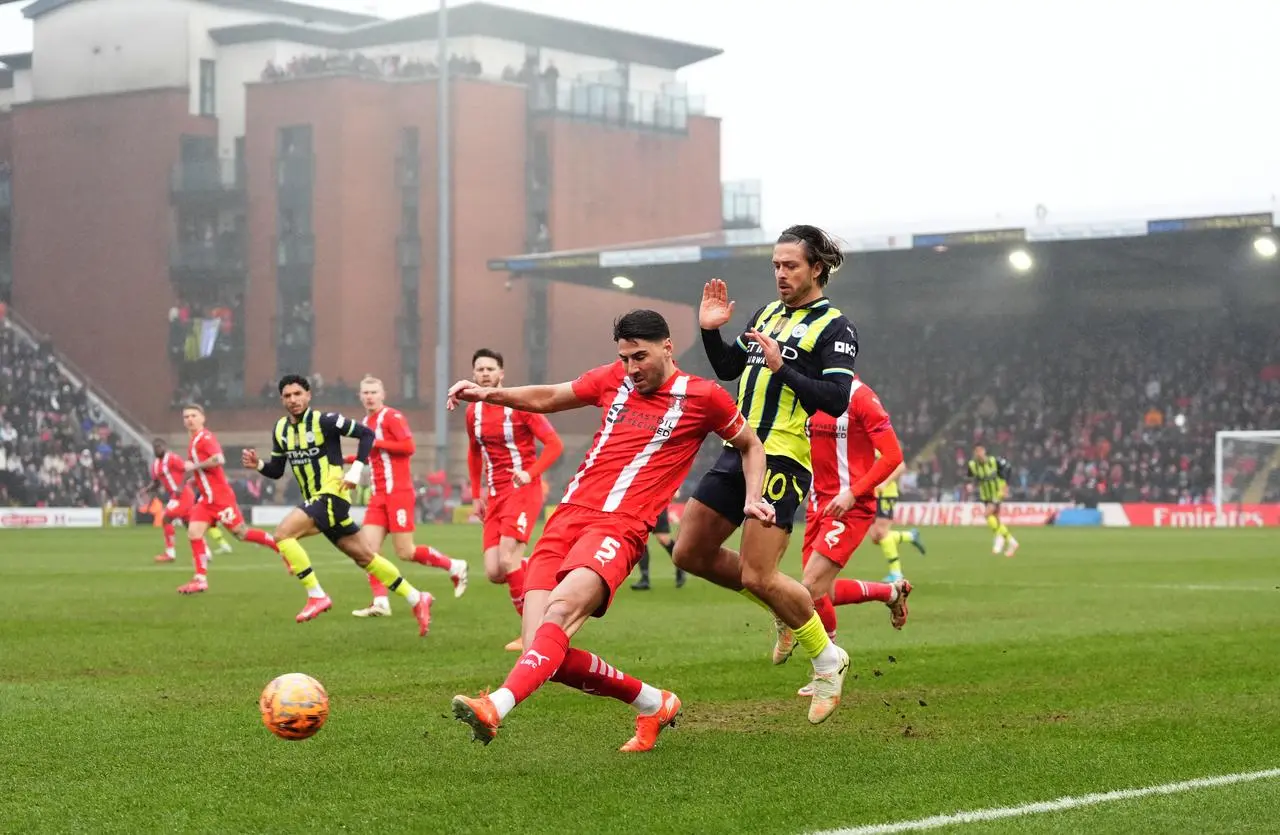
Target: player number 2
(522, 522)
(227, 515)
(833, 535)
(608, 550)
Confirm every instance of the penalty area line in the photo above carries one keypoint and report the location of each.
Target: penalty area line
(1059, 805)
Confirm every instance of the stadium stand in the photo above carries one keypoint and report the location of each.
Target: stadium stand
(55, 447)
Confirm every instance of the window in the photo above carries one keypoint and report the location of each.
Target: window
(208, 87)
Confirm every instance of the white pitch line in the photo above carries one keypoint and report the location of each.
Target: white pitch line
(1058, 805)
(1150, 586)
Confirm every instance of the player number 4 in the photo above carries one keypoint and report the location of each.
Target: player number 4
(608, 550)
(522, 522)
(833, 535)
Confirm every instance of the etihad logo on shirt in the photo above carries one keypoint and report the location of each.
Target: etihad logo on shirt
(304, 454)
(755, 354)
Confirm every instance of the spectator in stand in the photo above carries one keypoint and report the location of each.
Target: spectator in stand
(55, 449)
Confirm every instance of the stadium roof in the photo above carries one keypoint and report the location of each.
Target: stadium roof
(485, 19)
(665, 268)
(733, 244)
(300, 11)
(17, 60)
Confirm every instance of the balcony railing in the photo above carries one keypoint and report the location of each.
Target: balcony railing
(6, 190)
(740, 204)
(408, 171)
(611, 104)
(226, 256)
(207, 177)
(409, 250)
(295, 171)
(296, 251)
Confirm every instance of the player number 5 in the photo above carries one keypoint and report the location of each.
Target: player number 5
(608, 550)
(833, 535)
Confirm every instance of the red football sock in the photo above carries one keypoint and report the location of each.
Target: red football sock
(168, 537)
(200, 555)
(259, 537)
(827, 613)
(376, 586)
(515, 587)
(861, 591)
(426, 555)
(590, 673)
(538, 663)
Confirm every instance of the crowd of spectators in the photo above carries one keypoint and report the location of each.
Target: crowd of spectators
(206, 346)
(359, 64)
(1128, 414)
(55, 448)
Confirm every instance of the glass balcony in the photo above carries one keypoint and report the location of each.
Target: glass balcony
(296, 251)
(611, 104)
(207, 178)
(195, 259)
(295, 171)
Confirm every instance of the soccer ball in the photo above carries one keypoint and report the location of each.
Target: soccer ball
(294, 706)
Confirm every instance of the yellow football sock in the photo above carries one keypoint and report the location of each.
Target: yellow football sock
(812, 637)
(216, 535)
(299, 563)
(748, 595)
(390, 576)
(993, 523)
(1003, 530)
(889, 545)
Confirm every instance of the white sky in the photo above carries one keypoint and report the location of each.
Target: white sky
(963, 113)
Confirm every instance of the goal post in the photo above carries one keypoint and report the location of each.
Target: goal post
(1246, 467)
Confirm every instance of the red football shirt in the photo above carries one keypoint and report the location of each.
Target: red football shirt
(844, 448)
(502, 441)
(214, 487)
(646, 443)
(168, 470)
(393, 447)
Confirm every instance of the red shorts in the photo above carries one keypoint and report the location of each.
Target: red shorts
(512, 514)
(609, 544)
(179, 505)
(393, 513)
(837, 539)
(225, 512)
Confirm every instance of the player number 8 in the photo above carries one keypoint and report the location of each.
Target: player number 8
(401, 517)
(833, 535)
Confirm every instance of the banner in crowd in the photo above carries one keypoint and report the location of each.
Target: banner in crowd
(51, 517)
(1189, 516)
(270, 515)
(952, 513)
(971, 513)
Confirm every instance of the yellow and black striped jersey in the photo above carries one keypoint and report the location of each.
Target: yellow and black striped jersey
(991, 475)
(312, 448)
(818, 346)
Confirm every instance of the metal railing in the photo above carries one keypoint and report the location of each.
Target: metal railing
(611, 104)
(207, 176)
(296, 251)
(208, 256)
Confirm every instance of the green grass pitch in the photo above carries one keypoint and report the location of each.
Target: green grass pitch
(1095, 660)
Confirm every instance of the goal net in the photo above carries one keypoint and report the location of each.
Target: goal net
(1246, 468)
